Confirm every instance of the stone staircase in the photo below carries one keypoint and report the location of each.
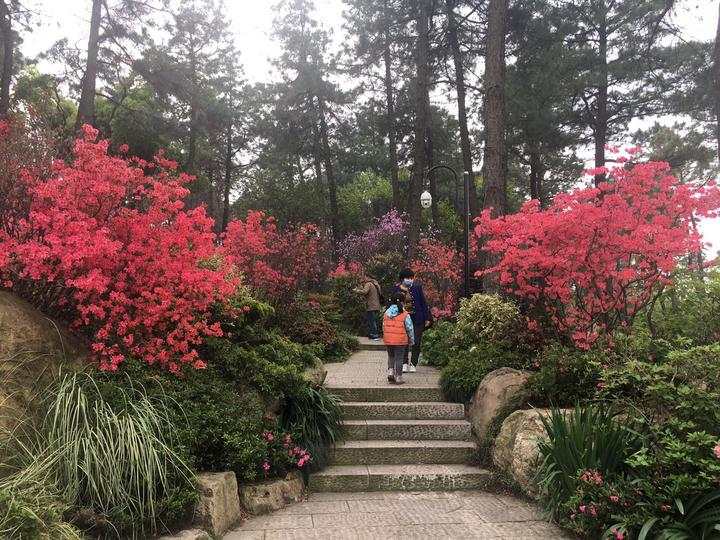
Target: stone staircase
(398, 438)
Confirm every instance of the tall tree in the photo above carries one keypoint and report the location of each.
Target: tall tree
(423, 10)
(86, 105)
(716, 84)
(495, 172)
(453, 29)
(378, 52)
(7, 41)
(618, 41)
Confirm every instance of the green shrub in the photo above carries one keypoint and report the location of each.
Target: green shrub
(567, 376)
(385, 268)
(33, 511)
(486, 318)
(697, 517)
(316, 321)
(466, 369)
(350, 304)
(436, 347)
(314, 417)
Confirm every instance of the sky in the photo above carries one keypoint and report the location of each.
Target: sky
(251, 24)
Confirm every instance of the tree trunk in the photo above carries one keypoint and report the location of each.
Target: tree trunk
(329, 172)
(422, 84)
(716, 66)
(228, 178)
(462, 108)
(193, 134)
(391, 128)
(601, 116)
(495, 166)
(8, 45)
(536, 174)
(432, 176)
(86, 106)
(495, 196)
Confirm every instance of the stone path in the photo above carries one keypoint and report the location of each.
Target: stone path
(402, 471)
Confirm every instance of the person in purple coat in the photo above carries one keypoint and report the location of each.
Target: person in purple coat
(416, 305)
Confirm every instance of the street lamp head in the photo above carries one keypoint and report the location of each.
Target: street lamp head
(426, 199)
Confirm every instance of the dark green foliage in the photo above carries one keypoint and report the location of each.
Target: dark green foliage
(436, 349)
(466, 369)
(350, 304)
(385, 268)
(567, 376)
(694, 518)
(314, 417)
(585, 439)
(316, 320)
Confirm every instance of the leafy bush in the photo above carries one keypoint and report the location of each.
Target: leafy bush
(466, 369)
(567, 376)
(585, 439)
(697, 517)
(34, 511)
(436, 347)
(314, 416)
(350, 304)
(315, 320)
(486, 318)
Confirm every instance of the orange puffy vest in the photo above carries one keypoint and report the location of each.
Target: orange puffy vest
(394, 332)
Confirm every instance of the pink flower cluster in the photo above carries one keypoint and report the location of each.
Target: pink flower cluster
(591, 476)
(589, 510)
(597, 256)
(716, 450)
(302, 455)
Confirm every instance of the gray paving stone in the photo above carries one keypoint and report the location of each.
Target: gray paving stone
(275, 521)
(315, 507)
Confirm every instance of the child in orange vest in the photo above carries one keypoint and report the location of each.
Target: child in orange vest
(398, 335)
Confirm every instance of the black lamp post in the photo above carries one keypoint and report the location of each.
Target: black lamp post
(426, 202)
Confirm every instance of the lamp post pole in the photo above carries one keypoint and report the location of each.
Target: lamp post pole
(466, 222)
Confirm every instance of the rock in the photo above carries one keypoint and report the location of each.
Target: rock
(494, 392)
(516, 447)
(189, 534)
(316, 374)
(33, 347)
(272, 495)
(218, 509)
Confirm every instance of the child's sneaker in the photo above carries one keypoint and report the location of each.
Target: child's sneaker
(399, 380)
(391, 375)
(412, 368)
(405, 368)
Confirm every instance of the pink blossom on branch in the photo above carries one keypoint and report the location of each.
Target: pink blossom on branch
(597, 256)
(114, 249)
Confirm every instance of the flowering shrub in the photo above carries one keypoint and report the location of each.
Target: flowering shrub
(387, 235)
(282, 454)
(440, 269)
(597, 256)
(112, 248)
(275, 263)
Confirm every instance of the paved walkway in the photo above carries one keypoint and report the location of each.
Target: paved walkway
(393, 432)
(376, 515)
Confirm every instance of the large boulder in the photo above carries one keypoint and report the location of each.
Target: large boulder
(316, 373)
(218, 509)
(495, 391)
(33, 347)
(516, 449)
(272, 495)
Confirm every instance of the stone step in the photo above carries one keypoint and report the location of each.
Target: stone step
(387, 393)
(398, 452)
(348, 478)
(408, 430)
(395, 410)
(369, 345)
